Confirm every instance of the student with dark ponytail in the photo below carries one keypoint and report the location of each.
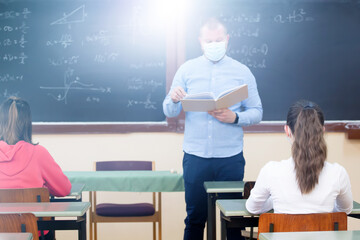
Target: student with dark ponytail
(24, 164)
(305, 183)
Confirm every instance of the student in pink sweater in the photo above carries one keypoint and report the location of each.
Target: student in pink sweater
(24, 164)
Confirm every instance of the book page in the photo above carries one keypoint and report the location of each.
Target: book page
(205, 95)
(229, 91)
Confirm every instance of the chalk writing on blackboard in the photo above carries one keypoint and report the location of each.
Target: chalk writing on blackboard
(8, 57)
(101, 37)
(60, 61)
(73, 83)
(147, 65)
(255, 18)
(65, 41)
(14, 14)
(8, 28)
(7, 42)
(245, 32)
(106, 57)
(251, 50)
(11, 78)
(148, 104)
(6, 94)
(296, 16)
(136, 83)
(93, 99)
(251, 63)
(76, 16)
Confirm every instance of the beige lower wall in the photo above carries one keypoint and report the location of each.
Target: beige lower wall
(78, 152)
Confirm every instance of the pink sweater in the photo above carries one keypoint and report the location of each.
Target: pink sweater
(24, 165)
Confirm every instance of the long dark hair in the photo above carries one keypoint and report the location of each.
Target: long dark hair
(309, 151)
(15, 121)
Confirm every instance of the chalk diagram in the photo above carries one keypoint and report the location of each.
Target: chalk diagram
(72, 82)
(76, 16)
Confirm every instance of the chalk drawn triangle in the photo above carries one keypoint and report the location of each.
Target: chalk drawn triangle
(76, 16)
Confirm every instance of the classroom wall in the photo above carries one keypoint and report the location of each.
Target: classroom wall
(78, 152)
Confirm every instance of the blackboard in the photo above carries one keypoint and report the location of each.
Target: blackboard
(296, 49)
(84, 61)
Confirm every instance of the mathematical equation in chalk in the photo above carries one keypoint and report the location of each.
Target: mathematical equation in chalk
(147, 103)
(24, 13)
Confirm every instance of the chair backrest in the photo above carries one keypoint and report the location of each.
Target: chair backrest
(247, 189)
(25, 222)
(276, 222)
(124, 166)
(24, 195)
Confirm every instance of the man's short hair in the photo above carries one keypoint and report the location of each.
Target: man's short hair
(213, 24)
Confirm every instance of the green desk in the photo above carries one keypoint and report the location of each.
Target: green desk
(235, 214)
(53, 209)
(128, 181)
(212, 189)
(16, 236)
(328, 235)
(47, 209)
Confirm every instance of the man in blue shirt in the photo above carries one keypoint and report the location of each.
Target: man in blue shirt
(213, 141)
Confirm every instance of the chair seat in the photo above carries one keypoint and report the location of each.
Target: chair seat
(125, 210)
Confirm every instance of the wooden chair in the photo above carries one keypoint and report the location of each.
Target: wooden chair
(26, 222)
(276, 222)
(16, 195)
(246, 194)
(136, 212)
(24, 195)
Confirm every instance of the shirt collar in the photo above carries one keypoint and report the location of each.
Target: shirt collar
(222, 61)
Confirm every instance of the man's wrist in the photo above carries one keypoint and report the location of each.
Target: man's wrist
(236, 121)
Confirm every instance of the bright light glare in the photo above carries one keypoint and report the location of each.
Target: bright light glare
(169, 10)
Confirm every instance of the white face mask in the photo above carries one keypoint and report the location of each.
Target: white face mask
(214, 51)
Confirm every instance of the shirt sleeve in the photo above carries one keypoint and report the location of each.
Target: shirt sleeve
(252, 110)
(170, 108)
(55, 180)
(344, 201)
(260, 199)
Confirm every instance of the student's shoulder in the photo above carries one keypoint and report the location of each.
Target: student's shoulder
(277, 166)
(41, 150)
(334, 168)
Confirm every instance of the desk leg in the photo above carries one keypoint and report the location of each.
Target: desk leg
(82, 229)
(211, 219)
(223, 228)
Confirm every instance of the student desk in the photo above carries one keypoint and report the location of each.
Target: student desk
(74, 196)
(212, 189)
(235, 214)
(328, 235)
(53, 209)
(128, 181)
(16, 236)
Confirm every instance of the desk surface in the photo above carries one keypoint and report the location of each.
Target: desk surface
(224, 186)
(16, 236)
(328, 235)
(76, 190)
(234, 208)
(52, 209)
(128, 181)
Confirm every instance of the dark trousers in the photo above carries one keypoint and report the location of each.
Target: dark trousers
(197, 170)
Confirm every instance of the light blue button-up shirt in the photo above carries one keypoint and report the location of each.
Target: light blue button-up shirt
(204, 135)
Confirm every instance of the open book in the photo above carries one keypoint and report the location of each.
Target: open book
(204, 102)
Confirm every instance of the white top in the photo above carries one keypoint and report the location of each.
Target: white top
(276, 188)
